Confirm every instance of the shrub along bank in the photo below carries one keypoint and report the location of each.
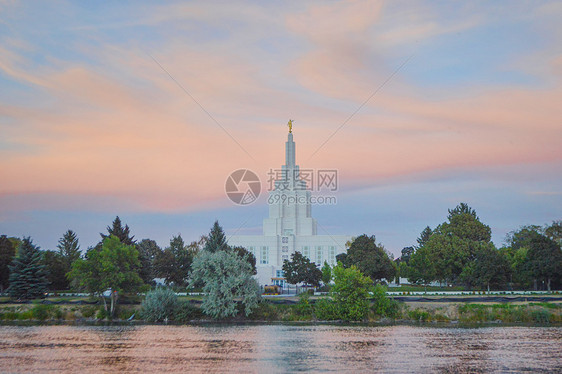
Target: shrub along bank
(306, 309)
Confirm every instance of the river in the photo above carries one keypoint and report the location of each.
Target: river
(279, 348)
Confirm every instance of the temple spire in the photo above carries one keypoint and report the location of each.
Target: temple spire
(290, 152)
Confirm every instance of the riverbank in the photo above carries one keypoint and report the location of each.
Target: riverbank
(302, 311)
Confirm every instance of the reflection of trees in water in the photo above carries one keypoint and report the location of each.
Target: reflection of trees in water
(115, 345)
(279, 348)
(327, 348)
(459, 350)
(297, 348)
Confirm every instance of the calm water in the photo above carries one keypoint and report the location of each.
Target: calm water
(279, 348)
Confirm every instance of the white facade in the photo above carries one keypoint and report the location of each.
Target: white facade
(290, 227)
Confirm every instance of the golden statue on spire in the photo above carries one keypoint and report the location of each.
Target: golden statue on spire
(290, 124)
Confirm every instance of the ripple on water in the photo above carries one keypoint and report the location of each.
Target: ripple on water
(278, 348)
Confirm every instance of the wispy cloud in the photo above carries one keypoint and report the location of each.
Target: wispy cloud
(85, 112)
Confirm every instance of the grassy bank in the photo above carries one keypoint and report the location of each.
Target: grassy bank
(307, 310)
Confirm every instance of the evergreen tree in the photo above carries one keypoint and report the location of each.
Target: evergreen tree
(424, 236)
(69, 248)
(148, 252)
(243, 252)
(461, 209)
(16, 242)
(174, 263)
(122, 233)
(7, 253)
(28, 278)
(56, 268)
(216, 240)
(326, 273)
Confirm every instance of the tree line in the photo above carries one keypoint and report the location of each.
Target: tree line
(119, 265)
(460, 252)
(457, 252)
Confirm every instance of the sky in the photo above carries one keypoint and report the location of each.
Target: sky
(143, 109)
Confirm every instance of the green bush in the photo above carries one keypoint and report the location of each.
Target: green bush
(159, 305)
(265, 311)
(326, 309)
(351, 293)
(540, 316)
(58, 313)
(26, 314)
(419, 315)
(440, 317)
(11, 315)
(89, 311)
(382, 305)
(102, 313)
(41, 312)
(125, 313)
(303, 308)
(186, 311)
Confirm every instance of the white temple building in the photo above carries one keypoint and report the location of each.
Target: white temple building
(289, 227)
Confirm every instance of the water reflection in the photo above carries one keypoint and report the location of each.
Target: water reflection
(279, 348)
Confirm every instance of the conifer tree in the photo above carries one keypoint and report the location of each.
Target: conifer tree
(7, 253)
(216, 240)
(69, 248)
(174, 262)
(122, 233)
(424, 237)
(148, 253)
(28, 278)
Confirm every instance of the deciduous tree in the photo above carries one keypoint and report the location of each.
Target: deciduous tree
(350, 292)
(490, 267)
(370, 258)
(114, 268)
(301, 270)
(228, 281)
(451, 246)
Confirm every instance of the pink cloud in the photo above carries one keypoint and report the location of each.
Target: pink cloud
(118, 128)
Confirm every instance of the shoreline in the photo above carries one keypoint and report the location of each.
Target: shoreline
(407, 313)
(133, 323)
